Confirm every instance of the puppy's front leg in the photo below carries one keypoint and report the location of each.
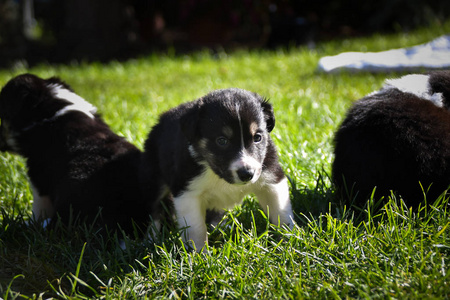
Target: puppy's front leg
(191, 214)
(274, 199)
(43, 209)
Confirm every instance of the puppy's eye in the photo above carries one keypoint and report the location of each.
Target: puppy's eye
(222, 141)
(257, 138)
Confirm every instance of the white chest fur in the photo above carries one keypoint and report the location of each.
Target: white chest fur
(208, 191)
(212, 192)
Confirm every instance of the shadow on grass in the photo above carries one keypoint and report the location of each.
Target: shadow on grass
(313, 204)
(64, 260)
(310, 203)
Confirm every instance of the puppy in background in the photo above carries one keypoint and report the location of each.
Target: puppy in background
(396, 139)
(76, 165)
(208, 154)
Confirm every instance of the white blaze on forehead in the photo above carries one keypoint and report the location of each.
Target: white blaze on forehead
(240, 126)
(78, 103)
(416, 84)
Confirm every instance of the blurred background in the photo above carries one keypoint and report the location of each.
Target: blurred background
(59, 31)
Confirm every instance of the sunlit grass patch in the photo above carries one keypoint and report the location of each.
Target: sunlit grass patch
(331, 253)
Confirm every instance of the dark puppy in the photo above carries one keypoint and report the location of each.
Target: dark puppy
(76, 164)
(395, 138)
(208, 154)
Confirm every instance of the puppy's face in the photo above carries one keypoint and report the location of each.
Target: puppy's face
(229, 131)
(27, 100)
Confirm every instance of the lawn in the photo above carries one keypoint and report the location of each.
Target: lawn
(329, 254)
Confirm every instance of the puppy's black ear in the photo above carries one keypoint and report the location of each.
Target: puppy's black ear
(190, 119)
(268, 114)
(440, 83)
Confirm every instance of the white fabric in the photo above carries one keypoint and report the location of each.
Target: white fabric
(432, 55)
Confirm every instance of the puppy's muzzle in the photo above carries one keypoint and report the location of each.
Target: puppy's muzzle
(245, 169)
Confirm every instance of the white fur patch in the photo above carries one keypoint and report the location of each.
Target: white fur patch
(240, 126)
(78, 103)
(274, 200)
(42, 206)
(192, 151)
(416, 84)
(204, 192)
(191, 214)
(208, 191)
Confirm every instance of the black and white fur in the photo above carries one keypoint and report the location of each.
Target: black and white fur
(76, 164)
(208, 154)
(395, 138)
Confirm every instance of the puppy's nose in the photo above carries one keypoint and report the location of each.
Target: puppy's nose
(245, 174)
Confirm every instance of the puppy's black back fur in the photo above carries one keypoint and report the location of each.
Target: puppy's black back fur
(75, 160)
(167, 149)
(392, 140)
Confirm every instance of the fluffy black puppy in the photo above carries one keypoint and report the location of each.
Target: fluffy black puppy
(208, 154)
(76, 164)
(396, 139)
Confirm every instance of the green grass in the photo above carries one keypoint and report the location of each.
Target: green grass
(395, 254)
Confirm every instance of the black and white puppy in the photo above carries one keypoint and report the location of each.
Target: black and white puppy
(208, 154)
(395, 138)
(76, 164)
